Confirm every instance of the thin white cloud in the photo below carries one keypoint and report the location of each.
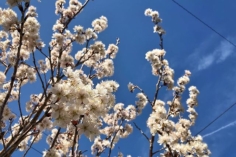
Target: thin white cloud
(204, 60)
(222, 128)
(203, 47)
(225, 50)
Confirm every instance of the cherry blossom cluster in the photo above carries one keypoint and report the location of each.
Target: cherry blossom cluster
(117, 127)
(76, 98)
(8, 18)
(155, 19)
(70, 101)
(160, 66)
(166, 120)
(100, 24)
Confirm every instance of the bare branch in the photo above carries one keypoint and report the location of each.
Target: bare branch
(158, 151)
(31, 144)
(19, 104)
(74, 141)
(141, 131)
(55, 138)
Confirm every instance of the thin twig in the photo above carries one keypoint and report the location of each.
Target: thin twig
(168, 146)
(157, 90)
(51, 66)
(144, 94)
(3, 63)
(2, 138)
(65, 27)
(19, 104)
(151, 141)
(41, 80)
(168, 113)
(40, 50)
(74, 141)
(13, 77)
(69, 20)
(55, 138)
(79, 61)
(141, 131)
(155, 97)
(31, 144)
(7, 69)
(109, 154)
(158, 151)
(81, 153)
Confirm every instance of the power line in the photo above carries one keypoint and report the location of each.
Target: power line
(224, 39)
(204, 23)
(37, 150)
(216, 118)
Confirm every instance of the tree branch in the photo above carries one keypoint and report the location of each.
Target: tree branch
(55, 138)
(141, 131)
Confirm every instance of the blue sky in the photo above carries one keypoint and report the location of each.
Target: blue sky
(189, 45)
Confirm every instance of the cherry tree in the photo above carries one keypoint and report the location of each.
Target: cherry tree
(76, 98)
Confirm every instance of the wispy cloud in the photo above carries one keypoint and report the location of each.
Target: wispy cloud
(206, 62)
(221, 53)
(203, 59)
(225, 50)
(222, 128)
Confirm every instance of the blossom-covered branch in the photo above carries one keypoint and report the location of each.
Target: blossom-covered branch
(172, 129)
(75, 96)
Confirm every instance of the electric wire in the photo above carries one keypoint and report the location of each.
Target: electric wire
(204, 23)
(224, 39)
(37, 150)
(215, 119)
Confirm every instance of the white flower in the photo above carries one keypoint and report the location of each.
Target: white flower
(100, 24)
(142, 102)
(158, 29)
(13, 3)
(32, 11)
(148, 12)
(51, 153)
(164, 139)
(120, 154)
(8, 17)
(82, 96)
(89, 33)
(79, 29)
(119, 107)
(112, 50)
(187, 72)
(2, 77)
(132, 112)
(159, 103)
(193, 89)
(131, 87)
(59, 38)
(183, 80)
